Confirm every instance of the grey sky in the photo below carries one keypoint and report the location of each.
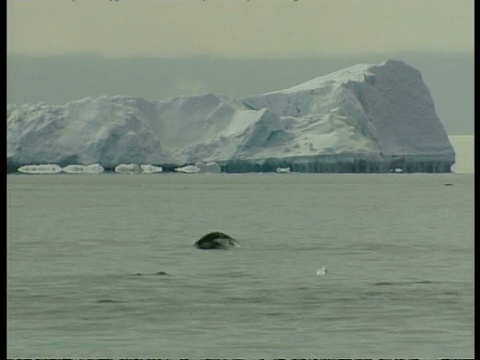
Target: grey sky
(237, 28)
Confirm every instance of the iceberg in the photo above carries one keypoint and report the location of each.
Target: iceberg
(365, 118)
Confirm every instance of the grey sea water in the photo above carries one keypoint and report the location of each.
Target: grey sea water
(398, 251)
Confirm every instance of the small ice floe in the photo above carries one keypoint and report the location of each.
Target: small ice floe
(127, 169)
(83, 169)
(281, 170)
(189, 169)
(40, 169)
(150, 169)
(322, 270)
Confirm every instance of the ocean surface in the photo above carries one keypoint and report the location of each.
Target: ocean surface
(83, 252)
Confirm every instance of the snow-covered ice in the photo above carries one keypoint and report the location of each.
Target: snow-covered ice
(283, 170)
(127, 169)
(83, 169)
(366, 118)
(150, 169)
(40, 169)
(189, 169)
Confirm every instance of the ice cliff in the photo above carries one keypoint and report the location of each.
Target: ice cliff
(366, 118)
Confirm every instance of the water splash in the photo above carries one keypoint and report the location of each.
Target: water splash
(322, 270)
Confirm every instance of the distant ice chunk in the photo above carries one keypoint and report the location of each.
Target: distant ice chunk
(283, 170)
(189, 169)
(150, 169)
(322, 270)
(127, 169)
(40, 169)
(210, 167)
(83, 169)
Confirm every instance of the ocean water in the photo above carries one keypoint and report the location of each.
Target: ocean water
(398, 249)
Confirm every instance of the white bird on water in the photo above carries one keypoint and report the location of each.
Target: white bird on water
(322, 270)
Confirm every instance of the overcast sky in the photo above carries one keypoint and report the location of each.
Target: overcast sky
(248, 40)
(237, 28)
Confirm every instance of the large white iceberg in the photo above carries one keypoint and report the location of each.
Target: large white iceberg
(366, 118)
